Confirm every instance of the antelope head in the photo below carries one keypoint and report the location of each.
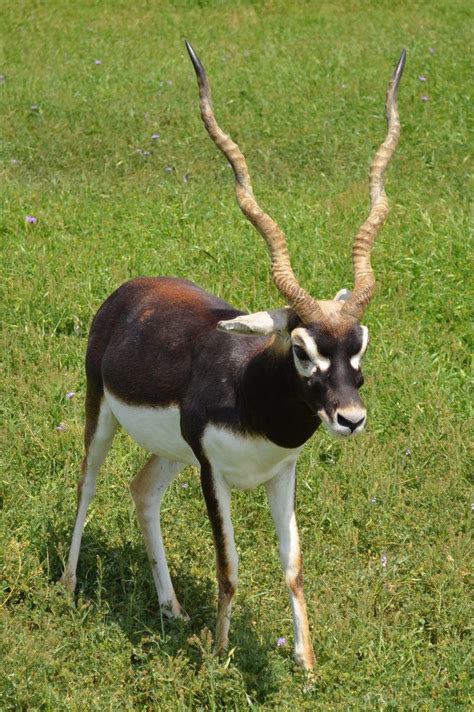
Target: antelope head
(324, 338)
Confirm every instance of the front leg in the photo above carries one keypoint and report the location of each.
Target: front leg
(217, 495)
(281, 497)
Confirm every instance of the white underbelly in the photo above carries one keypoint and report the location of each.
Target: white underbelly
(155, 429)
(242, 460)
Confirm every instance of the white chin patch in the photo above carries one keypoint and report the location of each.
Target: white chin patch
(336, 429)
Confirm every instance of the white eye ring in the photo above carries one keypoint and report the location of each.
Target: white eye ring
(305, 367)
(357, 358)
(315, 361)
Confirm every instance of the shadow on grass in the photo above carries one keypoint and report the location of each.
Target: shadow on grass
(117, 581)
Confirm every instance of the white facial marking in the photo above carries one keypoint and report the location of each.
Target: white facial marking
(301, 337)
(356, 359)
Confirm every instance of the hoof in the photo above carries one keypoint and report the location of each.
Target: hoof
(182, 615)
(173, 611)
(307, 662)
(220, 653)
(68, 581)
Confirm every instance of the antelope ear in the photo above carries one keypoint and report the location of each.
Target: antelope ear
(342, 295)
(274, 321)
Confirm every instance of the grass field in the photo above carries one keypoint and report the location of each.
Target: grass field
(384, 519)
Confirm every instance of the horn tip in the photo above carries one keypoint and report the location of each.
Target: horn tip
(397, 75)
(198, 68)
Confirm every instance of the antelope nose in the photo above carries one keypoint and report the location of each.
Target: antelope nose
(351, 419)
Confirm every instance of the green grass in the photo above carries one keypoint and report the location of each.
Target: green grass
(301, 87)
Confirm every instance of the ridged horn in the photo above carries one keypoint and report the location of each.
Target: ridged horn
(304, 305)
(364, 281)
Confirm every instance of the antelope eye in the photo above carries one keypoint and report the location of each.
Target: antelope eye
(300, 353)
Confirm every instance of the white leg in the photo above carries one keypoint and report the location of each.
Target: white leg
(217, 495)
(281, 494)
(147, 490)
(97, 449)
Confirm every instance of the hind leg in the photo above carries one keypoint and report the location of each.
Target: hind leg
(147, 489)
(101, 426)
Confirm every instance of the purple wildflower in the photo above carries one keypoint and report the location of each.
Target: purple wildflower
(70, 394)
(98, 61)
(424, 97)
(60, 427)
(281, 641)
(31, 219)
(155, 136)
(422, 78)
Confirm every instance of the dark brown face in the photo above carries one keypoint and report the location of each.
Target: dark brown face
(328, 367)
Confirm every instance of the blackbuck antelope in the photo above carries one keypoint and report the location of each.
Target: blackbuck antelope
(197, 382)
